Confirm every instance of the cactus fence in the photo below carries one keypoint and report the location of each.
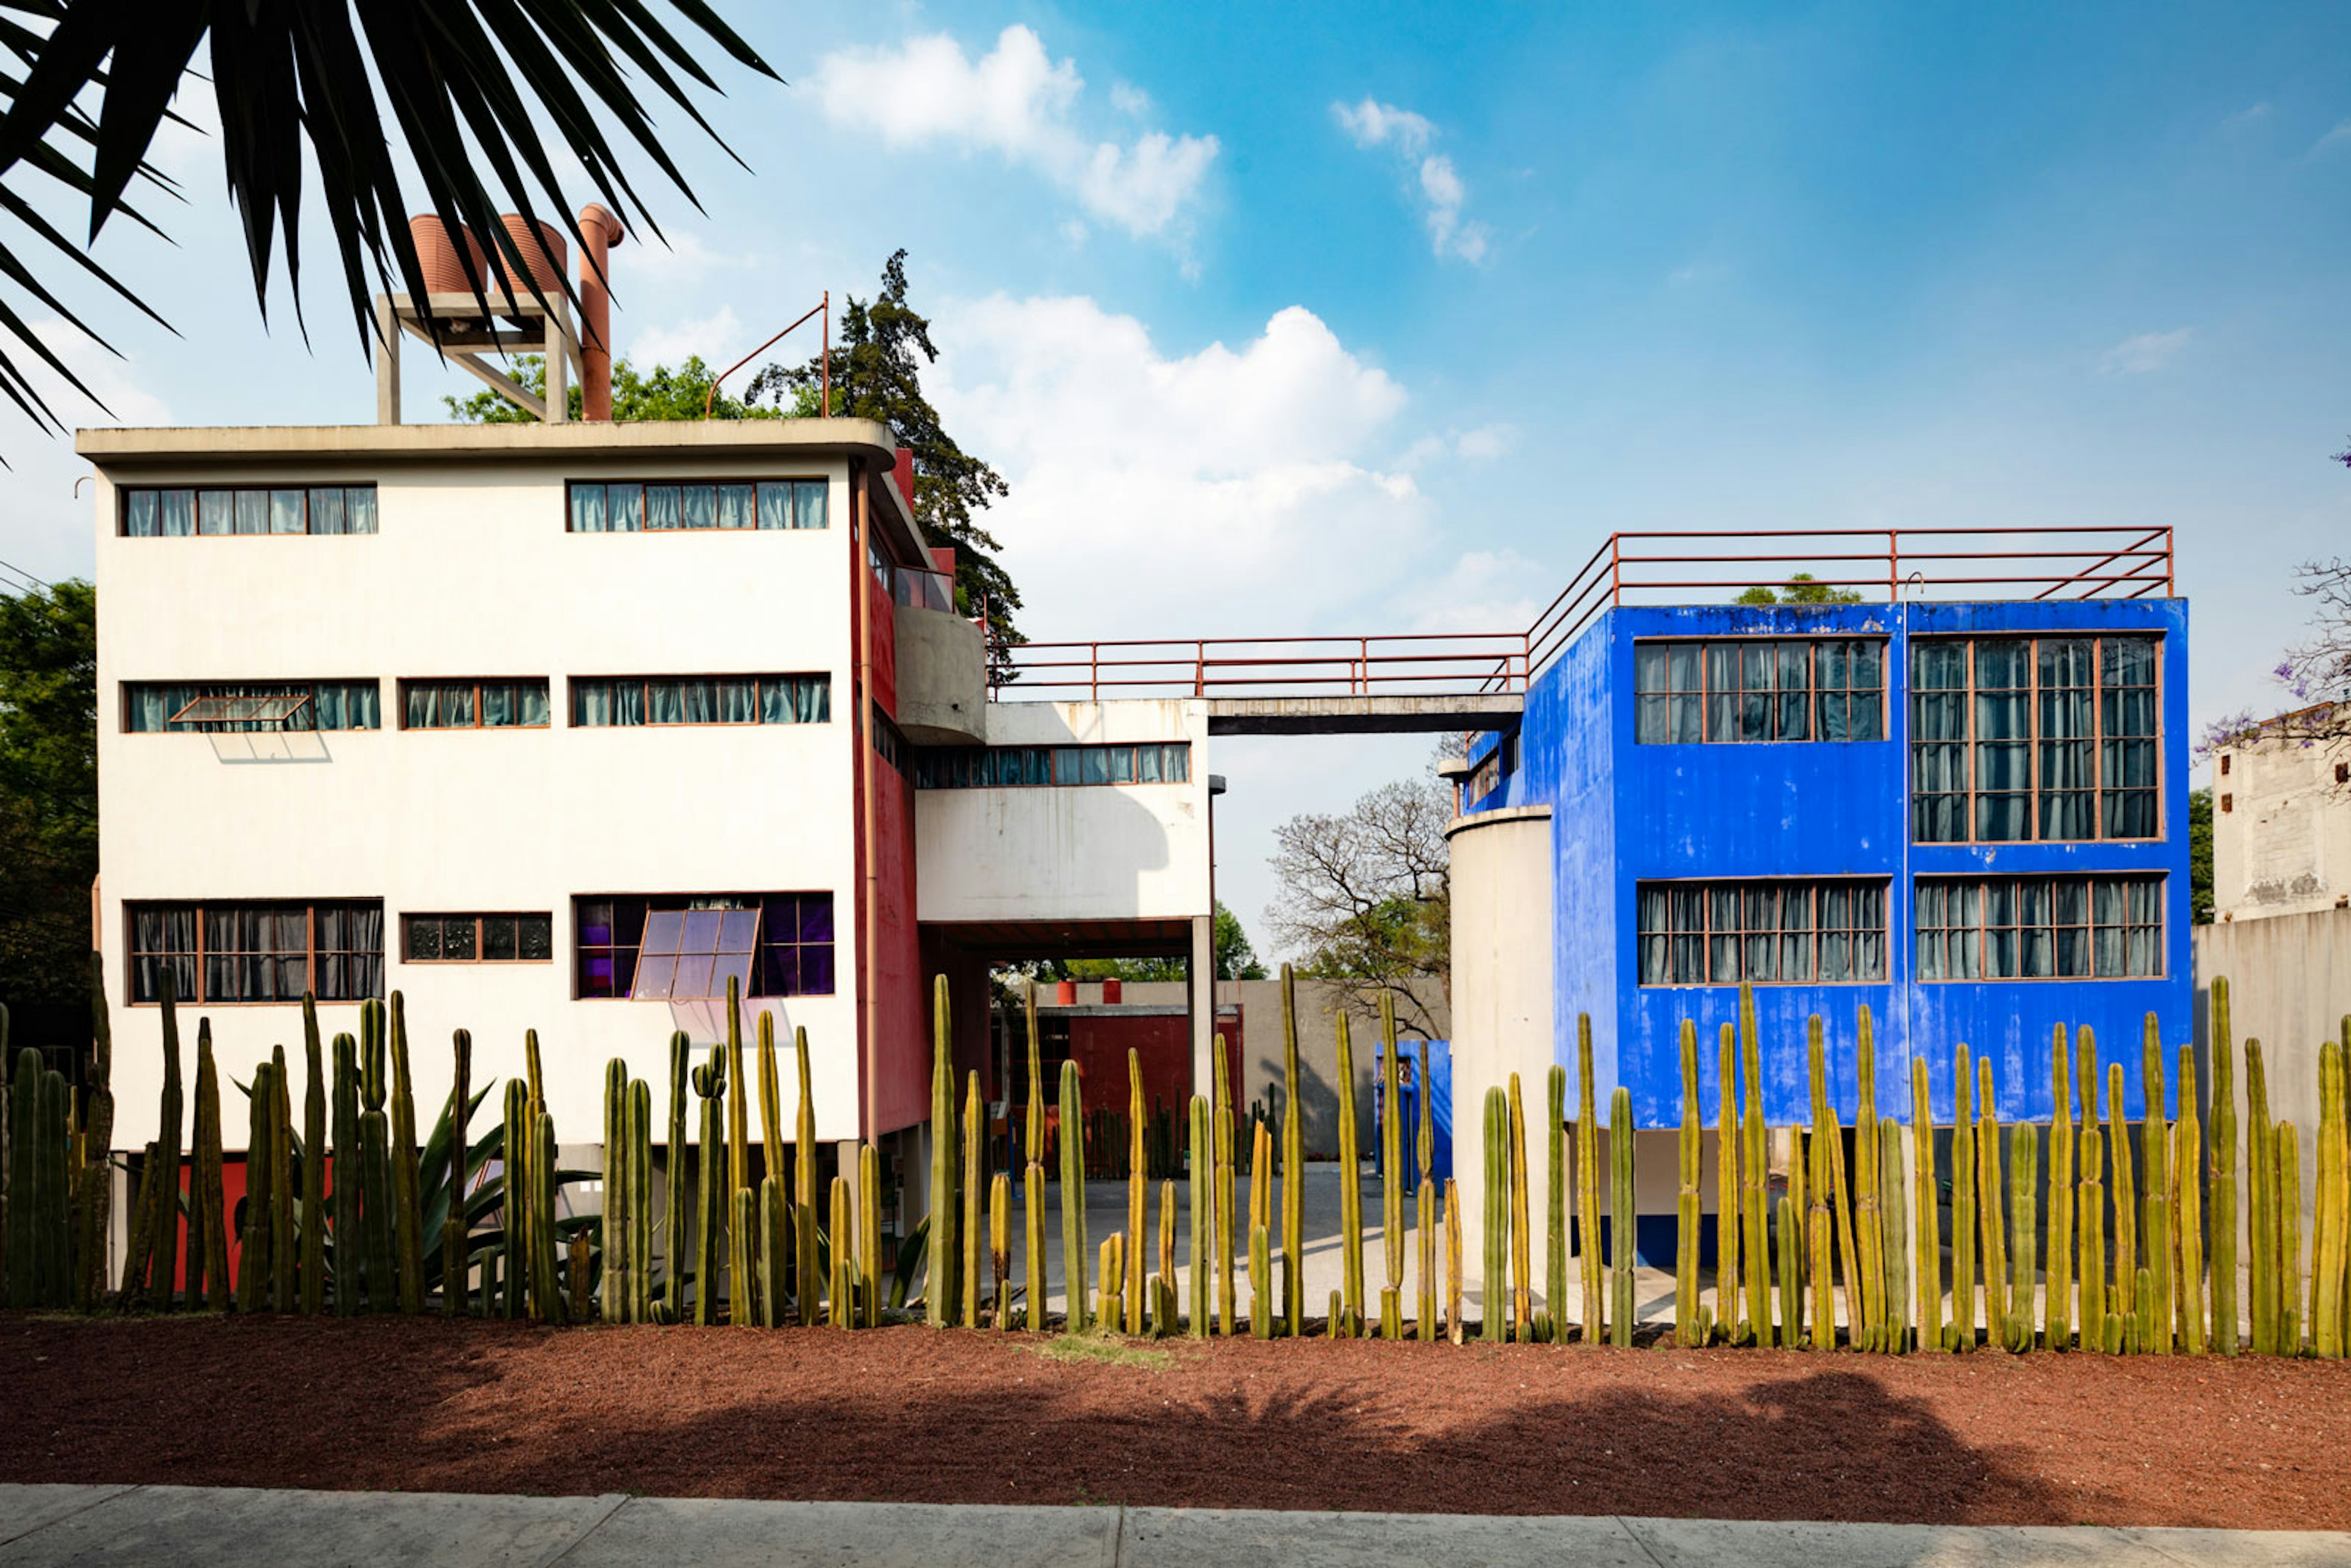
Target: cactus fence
(2136, 1251)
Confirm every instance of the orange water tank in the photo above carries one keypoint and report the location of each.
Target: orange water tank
(451, 265)
(542, 249)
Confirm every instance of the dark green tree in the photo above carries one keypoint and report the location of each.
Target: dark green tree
(48, 791)
(877, 363)
(1800, 589)
(2199, 855)
(658, 393)
(1235, 960)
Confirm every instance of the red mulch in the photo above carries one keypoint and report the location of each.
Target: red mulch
(913, 1415)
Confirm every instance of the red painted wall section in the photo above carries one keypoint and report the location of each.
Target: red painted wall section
(885, 642)
(902, 1055)
(1099, 1044)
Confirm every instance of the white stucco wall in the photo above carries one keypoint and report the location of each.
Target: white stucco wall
(472, 573)
(1113, 851)
(2283, 844)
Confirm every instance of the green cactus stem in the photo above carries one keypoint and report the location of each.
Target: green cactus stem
(1858, 1302)
(1926, 1198)
(1111, 1309)
(1033, 1182)
(1792, 1332)
(344, 1201)
(2090, 1210)
(2220, 1164)
(1626, 1225)
(1792, 1302)
(742, 1241)
(2123, 1191)
(407, 1173)
(1391, 1170)
(1964, 1198)
(803, 1216)
(314, 1161)
(1293, 1165)
(1163, 1303)
(673, 1209)
(2155, 1179)
(207, 1207)
(1868, 1216)
(1991, 1208)
(975, 1145)
(2261, 1170)
(1220, 1118)
(774, 1257)
(1260, 1287)
(1522, 1260)
(640, 1129)
(2327, 1233)
(709, 1085)
(2023, 1187)
(455, 1283)
(1494, 1284)
(1073, 1199)
(2057, 1316)
(1819, 1229)
(168, 1143)
(1424, 1152)
(1687, 1200)
(771, 1120)
(26, 1134)
(869, 1235)
(547, 1298)
(999, 1249)
(615, 1218)
(1138, 1194)
(1726, 1299)
(514, 1141)
(1896, 1243)
(940, 1295)
(1753, 1174)
(252, 1272)
(283, 1192)
(1454, 1328)
(1260, 1212)
(1202, 1172)
(2188, 1161)
(1587, 1187)
(2286, 1140)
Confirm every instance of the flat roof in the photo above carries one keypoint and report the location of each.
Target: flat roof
(250, 446)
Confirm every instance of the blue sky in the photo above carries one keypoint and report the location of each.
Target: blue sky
(1362, 317)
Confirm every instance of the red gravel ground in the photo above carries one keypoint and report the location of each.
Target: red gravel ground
(913, 1415)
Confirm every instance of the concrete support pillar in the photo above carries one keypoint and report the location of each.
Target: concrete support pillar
(1200, 997)
(387, 362)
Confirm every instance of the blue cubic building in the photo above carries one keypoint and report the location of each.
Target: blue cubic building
(1967, 815)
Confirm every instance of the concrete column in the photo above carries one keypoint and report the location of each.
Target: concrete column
(558, 363)
(387, 362)
(1200, 997)
(845, 1155)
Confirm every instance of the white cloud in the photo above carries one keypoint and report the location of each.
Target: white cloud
(1441, 191)
(2340, 134)
(719, 338)
(2144, 354)
(2245, 118)
(1485, 591)
(1487, 442)
(1221, 491)
(684, 260)
(1020, 104)
(46, 528)
(1129, 100)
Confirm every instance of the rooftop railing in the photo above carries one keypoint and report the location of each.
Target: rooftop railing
(1654, 567)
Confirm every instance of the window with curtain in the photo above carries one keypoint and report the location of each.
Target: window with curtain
(148, 706)
(623, 701)
(515, 704)
(1024, 767)
(477, 938)
(675, 506)
(1827, 930)
(2019, 740)
(2038, 927)
(166, 512)
(255, 951)
(1734, 690)
(686, 947)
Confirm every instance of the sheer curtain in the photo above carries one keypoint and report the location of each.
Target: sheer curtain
(1939, 734)
(2003, 751)
(2067, 807)
(2127, 696)
(1657, 935)
(1795, 685)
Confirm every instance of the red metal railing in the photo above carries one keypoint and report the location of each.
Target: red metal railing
(1674, 565)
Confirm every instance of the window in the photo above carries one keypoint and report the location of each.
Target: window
(1492, 768)
(630, 700)
(675, 506)
(154, 706)
(1772, 932)
(1752, 689)
(1018, 766)
(2040, 927)
(474, 705)
(477, 938)
(680, 947)
(151, 513)
(257, 952)
(2014, 739)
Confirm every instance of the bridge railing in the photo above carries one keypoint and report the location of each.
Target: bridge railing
(1438, 664)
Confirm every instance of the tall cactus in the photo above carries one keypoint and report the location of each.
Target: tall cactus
(207, 1205)
(640, 1129)
(2155, 1175)
(975, 1145)
(375, 1174)
(742, 1220)
(1898, 1245)
(314, 1161)
(1220, 1115)
(1819, 1224)
(1859, 1296)
(344, 1202)
(1727, 1200)
(1000, 1250)
(1522, 1260)
(1424, 1148)
(1200, 1169)
(2261, 1170)
(282, 1194)
(1792, 1304)
(548, 1299)
(2327, 1235)
(167, 1169)
(1032, 1180)
(1260, 1216)
(1869, 1235)
(618, 1296)
(2023, 1185)
(806, 1284)
(2090, 1207)
(2124, 1195)
(1625, 1224)
(1555, 1199)
(457, 1285)
(1964, 1198)
(253, 1261)
(772, 1117)
(1454, 1328)
(1138, 1181)
(1163, 1307)
(1687, 1200)
(1587, 1186)
(1073, 1199)
(742, 1241)
(516, 1141)
(1927, 1195)
(939, 1294)
(1753, 1173)
(2220, 1159)
(1991, 1208)
(1494, 1285)
(869, 1234)
(710, 1085)
(1294, 1165)
(2057, 1316)
(407, 1171)
(775, 1256)
(2187, 1134)
(2286, 1185)
(673, 1183)
(1391, 1172)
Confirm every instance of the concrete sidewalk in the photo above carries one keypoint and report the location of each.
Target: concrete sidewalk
(168, 1525)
